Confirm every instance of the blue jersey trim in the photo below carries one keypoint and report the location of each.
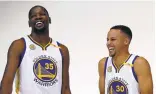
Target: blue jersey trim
(105, 66)
(134, 74)
(23, 53)
(62, 65)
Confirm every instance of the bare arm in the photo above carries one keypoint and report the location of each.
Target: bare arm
(101, 76)
(143, 72)
(66, 86)
(13, 56)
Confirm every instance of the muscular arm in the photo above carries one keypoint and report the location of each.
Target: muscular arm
(143, 72)
(101, 76)
(65, 83)
(13, 56)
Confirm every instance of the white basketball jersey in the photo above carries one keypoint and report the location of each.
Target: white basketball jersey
(40, 70)
(122, 81)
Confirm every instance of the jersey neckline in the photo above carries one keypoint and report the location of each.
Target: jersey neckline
(118, 69)
(43, 47)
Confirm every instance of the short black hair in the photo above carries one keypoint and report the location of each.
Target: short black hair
(30, 11)
(124, 29)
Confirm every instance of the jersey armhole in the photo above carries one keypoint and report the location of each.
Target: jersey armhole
(105, 66)
(62, 64)
(23, 53)
(60, 49)
(134, 74)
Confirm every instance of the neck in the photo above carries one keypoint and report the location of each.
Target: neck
(42, 38)
(120, 58)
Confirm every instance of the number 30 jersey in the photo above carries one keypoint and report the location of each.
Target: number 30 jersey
(40, 69)
(123, 80)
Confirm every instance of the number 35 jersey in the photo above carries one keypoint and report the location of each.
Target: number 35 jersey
(40, 69)
(123, 80)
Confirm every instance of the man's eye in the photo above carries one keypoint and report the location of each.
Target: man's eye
(43, 14)
(113, 39)
(33, 16)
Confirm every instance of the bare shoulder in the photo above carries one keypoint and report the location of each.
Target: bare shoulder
(141, 65)
(141, 61)
(64, 52)
(17, 45)
(63, 48)
(102, 62)
(101, 66)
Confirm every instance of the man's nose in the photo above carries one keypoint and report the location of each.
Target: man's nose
(108, 42)
(38, 16)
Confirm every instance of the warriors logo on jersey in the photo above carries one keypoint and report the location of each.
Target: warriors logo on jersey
(45, 70)
(117, 86)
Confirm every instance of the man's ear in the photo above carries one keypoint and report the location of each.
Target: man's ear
(49, 20)
(127, 41)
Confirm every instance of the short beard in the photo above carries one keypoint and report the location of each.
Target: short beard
(112, 55)
(39, 31)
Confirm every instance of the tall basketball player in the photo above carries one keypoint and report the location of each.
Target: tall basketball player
(122, 72)
(39, 62)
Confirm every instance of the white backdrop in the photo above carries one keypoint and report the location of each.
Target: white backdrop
(82, 27)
